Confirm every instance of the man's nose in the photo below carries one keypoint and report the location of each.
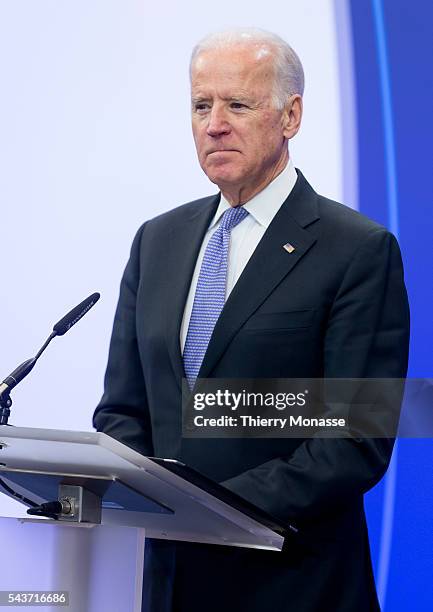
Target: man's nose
(218, 123)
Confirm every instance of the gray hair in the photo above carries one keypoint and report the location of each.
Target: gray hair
(289, 74)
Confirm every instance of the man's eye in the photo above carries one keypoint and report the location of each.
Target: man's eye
(237, 105)
(201, 107)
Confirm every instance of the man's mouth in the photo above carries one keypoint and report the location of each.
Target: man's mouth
(222, 151)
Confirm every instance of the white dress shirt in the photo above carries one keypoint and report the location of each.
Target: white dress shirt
(244, 237)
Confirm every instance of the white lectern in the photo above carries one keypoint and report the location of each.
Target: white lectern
(113, 495)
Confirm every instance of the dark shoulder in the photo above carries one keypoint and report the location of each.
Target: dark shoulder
(159, 226)
(349, 231)
(344, 217)
(334, 217)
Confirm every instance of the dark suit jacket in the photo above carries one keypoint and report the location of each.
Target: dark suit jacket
(335, 307)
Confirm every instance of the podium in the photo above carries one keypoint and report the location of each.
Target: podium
(117, 495)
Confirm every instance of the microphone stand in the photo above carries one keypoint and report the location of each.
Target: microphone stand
(13, 379)
(5, 404)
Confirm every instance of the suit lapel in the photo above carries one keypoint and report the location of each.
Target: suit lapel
(268, 265)
(185, 242)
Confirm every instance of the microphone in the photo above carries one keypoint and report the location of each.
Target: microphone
(65, 324)
(59, 329)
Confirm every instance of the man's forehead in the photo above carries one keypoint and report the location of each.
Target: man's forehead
(229, 90)
(235, 71)
(234, 57)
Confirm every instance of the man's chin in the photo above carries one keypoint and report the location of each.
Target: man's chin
(222, 178)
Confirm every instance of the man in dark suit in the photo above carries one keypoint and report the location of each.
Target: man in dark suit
(267, 279)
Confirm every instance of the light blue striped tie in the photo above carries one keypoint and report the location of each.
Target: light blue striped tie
(210, 293)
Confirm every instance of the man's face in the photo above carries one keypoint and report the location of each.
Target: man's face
(239, 135)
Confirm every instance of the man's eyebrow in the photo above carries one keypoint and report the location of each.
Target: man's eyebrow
(232, 98)
(239, 98)
(197, 99)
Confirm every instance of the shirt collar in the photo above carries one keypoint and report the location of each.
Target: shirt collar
(265, 204)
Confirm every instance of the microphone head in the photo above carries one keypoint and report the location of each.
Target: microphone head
(65, 324)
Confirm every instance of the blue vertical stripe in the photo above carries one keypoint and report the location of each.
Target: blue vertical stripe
(393, 225)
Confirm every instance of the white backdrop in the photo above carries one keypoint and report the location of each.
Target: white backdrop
(94, 139)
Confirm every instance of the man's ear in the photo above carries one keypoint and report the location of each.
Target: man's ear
(292, 116)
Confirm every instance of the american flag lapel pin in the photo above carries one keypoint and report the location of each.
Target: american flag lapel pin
(289, 247)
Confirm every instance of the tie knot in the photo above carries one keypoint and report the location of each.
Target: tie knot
(232, 217)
